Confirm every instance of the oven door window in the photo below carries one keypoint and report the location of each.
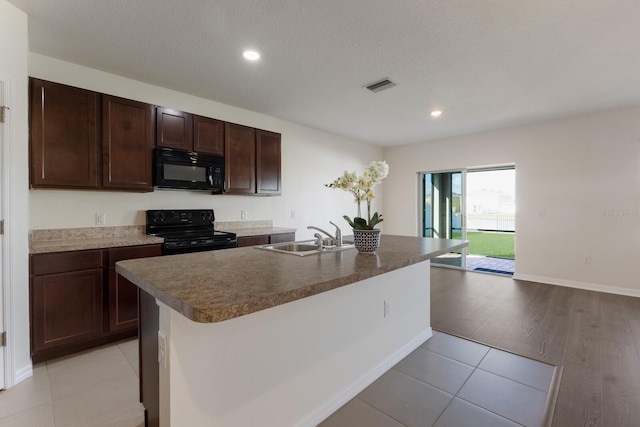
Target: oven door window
(184, 173)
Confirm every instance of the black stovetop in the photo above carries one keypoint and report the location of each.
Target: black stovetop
(185, 224)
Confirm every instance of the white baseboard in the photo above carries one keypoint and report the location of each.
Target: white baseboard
(579, 285)
(23, 374)
(363, 382)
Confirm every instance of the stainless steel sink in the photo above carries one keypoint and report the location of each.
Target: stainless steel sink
(305, 247)
(294, 247)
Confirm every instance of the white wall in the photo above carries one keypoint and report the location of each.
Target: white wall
(216, 377)
(582, 172)
(310, 158)
(13, 68)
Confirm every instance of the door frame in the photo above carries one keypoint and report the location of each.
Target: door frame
(463, 211)
(5, 270)
(6, 196)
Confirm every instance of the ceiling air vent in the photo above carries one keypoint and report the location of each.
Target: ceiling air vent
(380, 85)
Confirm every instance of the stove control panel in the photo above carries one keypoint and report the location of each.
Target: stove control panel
(180, 217)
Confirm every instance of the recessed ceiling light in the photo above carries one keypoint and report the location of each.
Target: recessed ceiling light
(436, 113)
(251, 55)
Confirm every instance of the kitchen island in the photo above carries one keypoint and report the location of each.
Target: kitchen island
(251, 337)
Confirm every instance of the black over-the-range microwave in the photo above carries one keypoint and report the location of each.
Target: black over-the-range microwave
(192, 171)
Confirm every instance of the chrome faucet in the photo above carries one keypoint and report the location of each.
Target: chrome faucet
(318, 236)
(337, 237)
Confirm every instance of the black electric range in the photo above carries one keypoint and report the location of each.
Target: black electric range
(188, 230)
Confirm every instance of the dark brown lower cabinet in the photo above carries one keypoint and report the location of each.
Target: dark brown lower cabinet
(253, 240)
(148, 357)
(265, 239)
(123, 295)
(67, 308)
(79, 302)
(283, 237)
(123, 302)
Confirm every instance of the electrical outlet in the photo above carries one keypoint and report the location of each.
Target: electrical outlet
(586, 259)
(162, 350)
(101, 218)
(243, 214)
(386, 309)
(293, 214)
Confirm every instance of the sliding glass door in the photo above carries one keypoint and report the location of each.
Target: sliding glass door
(443, 211)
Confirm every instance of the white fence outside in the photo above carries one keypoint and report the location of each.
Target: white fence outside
(492, 222)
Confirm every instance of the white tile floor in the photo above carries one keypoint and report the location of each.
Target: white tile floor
(94, 388)
(448, 381)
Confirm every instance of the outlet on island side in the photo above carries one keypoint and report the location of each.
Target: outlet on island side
(162, 350)
(101, 218)
(586, 259)
(243, 214)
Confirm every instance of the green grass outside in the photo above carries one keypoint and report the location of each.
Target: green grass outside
(501, 245)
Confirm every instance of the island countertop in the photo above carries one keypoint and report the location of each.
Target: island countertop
(214, 286)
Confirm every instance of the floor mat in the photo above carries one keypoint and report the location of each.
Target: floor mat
(490, 270)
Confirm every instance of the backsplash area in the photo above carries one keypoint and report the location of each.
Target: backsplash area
(86, 232)
(235, 225)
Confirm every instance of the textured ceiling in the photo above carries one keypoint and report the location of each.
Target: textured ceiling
(487, 64)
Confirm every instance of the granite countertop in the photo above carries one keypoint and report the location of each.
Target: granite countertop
(219, 285)
(259, 231)
(76, 239)
(252, 228)
(42, 247)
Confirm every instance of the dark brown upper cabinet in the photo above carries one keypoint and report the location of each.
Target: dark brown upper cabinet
(252, 161)
(189, 132)
(268, 163)
(174, 129)
(127, 144)
(208, 135)
(87, 140)
(240, 159)
(64, 136)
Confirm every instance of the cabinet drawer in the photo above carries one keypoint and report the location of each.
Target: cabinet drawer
(284, 237)
(63, 262)
(253, 240)
(131, 252)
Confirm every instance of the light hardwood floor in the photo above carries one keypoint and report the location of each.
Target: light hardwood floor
(594, 336)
